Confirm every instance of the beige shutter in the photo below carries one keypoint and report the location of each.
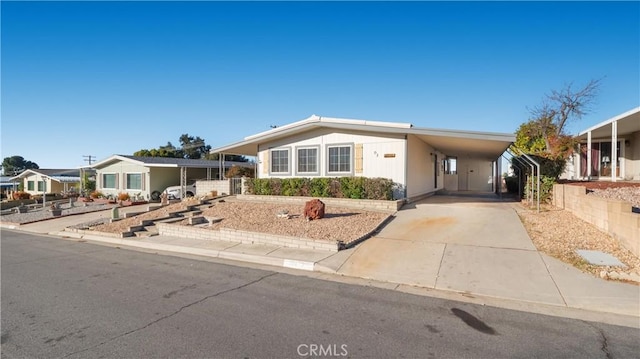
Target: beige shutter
(98, 181)
(143, 182)
(265, 163)
(117, 181)
(358, 158)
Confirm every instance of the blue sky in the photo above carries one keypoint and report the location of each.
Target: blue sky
(100, 78)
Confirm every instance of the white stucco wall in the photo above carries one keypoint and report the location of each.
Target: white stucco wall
(475, 174)
(121, 168)
(374, 149)
(420, 170)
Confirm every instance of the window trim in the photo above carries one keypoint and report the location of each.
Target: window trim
(126, 179)
(351, 159)
(288, 172)
(103, 182)
(31, 185)
(307, 147)
(42, 186)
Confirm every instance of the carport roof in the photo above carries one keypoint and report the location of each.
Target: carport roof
(450, 142)
(167, 162)
(628, 122)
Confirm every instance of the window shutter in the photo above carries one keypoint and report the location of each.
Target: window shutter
(358, 158)
(265, 163)
(98, 181)
(143, 182)
(117, 180)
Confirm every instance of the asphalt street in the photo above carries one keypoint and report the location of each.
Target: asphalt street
(67, 299)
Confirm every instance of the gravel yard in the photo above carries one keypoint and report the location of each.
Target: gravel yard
(338, 224)
(629, 194)
(559, 234)
(41, 214)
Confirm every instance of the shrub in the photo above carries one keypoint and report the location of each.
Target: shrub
(512, 183)
(96, 194)
(546, 188)
(342, 187)
(123, 196)
(21, 195)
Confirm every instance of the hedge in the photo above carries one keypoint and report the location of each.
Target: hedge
(338, 187)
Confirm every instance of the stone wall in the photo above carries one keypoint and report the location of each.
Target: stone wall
(367, 204)
(231, 235)
(612, 216)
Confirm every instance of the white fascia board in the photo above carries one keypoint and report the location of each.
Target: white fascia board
(114, 158)
(311, 119)
(609, 121)
(365, 122)
(495, 136)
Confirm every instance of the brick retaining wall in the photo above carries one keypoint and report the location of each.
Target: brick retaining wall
(205, 187)
(232, 235)
(367, 204)
(612, 216)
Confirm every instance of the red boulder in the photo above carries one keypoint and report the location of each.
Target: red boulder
(314, 209)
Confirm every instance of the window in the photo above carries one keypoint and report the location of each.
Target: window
(450, 165)
(30, 185)
(339, 158)
(40, 186)
(280, 161)
(307, 160)
(109, 180)
(134, 181)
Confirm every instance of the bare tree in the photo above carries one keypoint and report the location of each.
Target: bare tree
(561, 106)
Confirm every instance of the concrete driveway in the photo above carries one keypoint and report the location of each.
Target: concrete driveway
(461, 243)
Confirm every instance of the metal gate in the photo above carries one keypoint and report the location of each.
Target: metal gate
(236, 185)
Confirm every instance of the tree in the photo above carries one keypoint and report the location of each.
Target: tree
(193, 147)
(15, 164)
(227, 157)
(163, 151)
(547, 126)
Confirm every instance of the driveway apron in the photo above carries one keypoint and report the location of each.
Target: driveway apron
(463, 244)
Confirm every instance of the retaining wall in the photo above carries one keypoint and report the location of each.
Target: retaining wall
(612, 216)
(205, 187)
(232, 235)
(368, 204)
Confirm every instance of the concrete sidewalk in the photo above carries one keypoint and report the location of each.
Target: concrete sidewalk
(474, 249)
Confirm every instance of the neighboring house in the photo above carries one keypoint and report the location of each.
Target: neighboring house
(419, 160)
(147, 177)
(39, 181)
(609, 150)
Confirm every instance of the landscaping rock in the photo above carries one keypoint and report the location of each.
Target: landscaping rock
(314, 209)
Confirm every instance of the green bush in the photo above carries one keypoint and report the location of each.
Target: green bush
(341, 187)
(512, 183)
(546, 188)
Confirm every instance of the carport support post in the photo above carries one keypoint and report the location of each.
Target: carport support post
(589, 167)
(614, 151)
(538, 176)
(183, 182)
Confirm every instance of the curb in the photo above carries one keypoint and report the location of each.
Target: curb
(243, 257)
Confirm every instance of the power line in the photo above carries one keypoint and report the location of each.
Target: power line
(89, 158)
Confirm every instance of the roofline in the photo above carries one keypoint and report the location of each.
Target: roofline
(361, 125)
(609, 121)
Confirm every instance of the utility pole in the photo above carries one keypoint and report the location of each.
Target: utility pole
(89, 158)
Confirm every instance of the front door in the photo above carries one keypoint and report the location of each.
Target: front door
(435, 172)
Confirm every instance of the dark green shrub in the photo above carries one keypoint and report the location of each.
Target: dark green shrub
(320, 187)
(512, 184)
(342, 187)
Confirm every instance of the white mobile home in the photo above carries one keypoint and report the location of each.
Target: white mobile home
(419, 160)
(609, 150)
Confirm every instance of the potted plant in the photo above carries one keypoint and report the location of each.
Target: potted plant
(55, 209)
